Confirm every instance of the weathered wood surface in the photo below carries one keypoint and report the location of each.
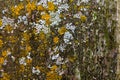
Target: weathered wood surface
(118, 39)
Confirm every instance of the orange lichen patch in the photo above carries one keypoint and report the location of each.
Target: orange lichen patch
(22, 68)
(48, 22)
(1, 60)
(5, 76)
(30, 6)
(12, 39)
(54, 68)
(46, 17)
(4, 53)
(28, 48)
(28, 61)
(16, 9)
(1, 43)
(40, 8)
(53, 76)
(56, 40)
(62, 30)
(51, 6)
(8, 28)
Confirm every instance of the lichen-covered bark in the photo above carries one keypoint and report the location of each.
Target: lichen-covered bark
(79, 46)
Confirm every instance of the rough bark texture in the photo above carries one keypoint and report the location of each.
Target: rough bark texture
(118, 39)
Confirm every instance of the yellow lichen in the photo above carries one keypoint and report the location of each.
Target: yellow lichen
(4, 53)
(51, 75)
(26, 36)
(30, 6)
(0, 22)
(16, 9)
(22, 68)
(62, 30)
(1, 60)
(54, 68)
(5, 76)
(51, 6)
(42, 36)
(28, 61)
(46, 16)
(83, 18)
(12, 39)
(8, 28)
(56, 40)
(28, 48)
(40, 8)
(1, 43)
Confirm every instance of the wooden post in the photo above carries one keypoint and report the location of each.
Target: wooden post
(118, 39)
